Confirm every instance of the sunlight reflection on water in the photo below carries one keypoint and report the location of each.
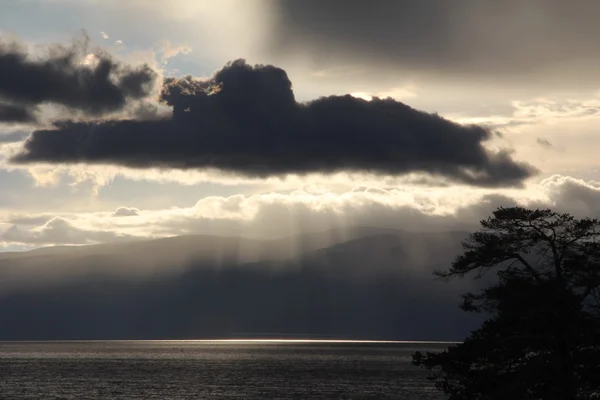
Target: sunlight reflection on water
(246, 369)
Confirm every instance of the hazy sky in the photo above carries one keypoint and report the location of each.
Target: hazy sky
(137, 118)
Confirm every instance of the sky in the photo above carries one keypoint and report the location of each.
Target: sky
(139, 119)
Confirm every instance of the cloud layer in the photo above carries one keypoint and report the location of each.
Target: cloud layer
(470, 39)
(59, 231)
(273, 215)
(10, 113)
(246, 120)
(93, 84)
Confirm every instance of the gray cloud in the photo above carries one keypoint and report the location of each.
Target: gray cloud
(471, 38)
(126, 212)
(246, 120)
(544, 142)
(10, 113)
(62, 77)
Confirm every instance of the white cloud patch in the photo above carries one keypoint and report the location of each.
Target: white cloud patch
(167, 50)
(556, 134)
(59, 231)
(399, 93)
(573, 195)
(547, 111)
(270, 215)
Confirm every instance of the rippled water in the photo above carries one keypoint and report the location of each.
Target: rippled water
(212, 370)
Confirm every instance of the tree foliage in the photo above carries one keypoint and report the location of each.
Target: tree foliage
(542, 337)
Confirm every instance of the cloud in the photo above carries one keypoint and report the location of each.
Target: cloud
(541, 111)
(466, 39)
(62, 77)
(104, 35)
(28, 220)
(543, 142)
(168, 50)
(59, 231)
(396, 93)
(280, 214)
(272, 215)
(551, 109)
(16, 114)
(126, 212)
(573, 195)
(245, 120)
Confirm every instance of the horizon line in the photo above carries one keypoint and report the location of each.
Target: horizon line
(229, 236)
(324, 341)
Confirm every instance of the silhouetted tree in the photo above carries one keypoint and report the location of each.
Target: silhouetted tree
(542, 339)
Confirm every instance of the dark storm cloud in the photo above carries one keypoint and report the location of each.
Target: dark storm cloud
(62, 77)
(16, 114)
(246, 120)
(481, 37)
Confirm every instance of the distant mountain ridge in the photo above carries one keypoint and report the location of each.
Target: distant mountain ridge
(367, 282)
(248, 249)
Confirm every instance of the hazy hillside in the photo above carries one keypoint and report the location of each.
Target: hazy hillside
(365, 283)
(175, 254)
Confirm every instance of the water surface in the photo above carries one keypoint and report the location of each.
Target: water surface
(212, 370)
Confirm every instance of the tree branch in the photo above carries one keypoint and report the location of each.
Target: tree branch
(528, 266)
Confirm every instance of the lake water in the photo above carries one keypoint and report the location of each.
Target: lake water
(212, 370)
